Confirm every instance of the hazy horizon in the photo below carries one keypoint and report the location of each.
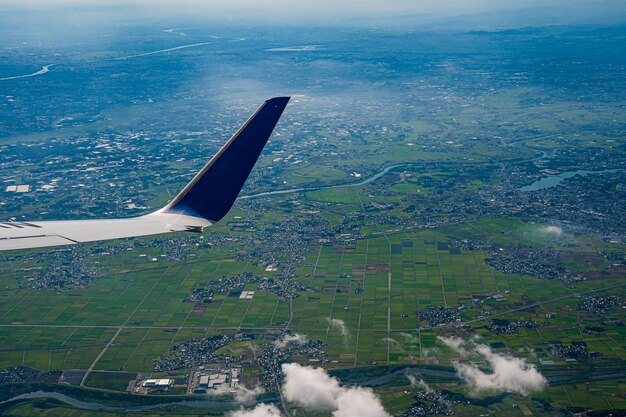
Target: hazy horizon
(482, 13)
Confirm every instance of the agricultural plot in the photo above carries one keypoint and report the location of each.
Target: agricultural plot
(369, 301)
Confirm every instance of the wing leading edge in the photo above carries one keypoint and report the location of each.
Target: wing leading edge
(205, 200)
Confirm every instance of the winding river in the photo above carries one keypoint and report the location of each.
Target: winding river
(43, 70)
(543, 183)
(102, 407)
(367, 180)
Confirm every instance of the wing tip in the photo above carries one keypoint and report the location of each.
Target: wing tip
(282, 100)
(212, 192)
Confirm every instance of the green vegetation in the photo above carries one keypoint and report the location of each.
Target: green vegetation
(115, 381)
(414, 224)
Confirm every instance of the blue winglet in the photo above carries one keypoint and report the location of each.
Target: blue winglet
(213, 191)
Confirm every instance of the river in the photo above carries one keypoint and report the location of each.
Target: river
(367, 180)
(554, 180)
(43, 70)
(543, 183)
(102, 407)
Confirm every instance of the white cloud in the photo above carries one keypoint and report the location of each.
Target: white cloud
(241, 394)
(391, 341)
(509, 374)
(410, 338)
(314, 390)
(296, 338)
(415, 383)
(261, 410)
(455, 343)
(426, 352)
(552, 230)
(338, 324)
(246, 396)
(358, 402)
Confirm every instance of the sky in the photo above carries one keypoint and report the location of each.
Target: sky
(326, 6)
(332, 8)
(503, 13)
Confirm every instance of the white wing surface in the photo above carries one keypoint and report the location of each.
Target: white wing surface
(204, 201)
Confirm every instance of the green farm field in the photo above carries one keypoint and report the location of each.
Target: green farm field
(144, 310)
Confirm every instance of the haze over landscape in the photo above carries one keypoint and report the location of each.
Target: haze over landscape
(436, 226)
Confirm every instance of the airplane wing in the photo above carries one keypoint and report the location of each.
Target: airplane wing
(205, 200)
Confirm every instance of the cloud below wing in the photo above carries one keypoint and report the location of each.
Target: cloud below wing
(338, 324)
(358, 402)
(296, 338)
(241, 394)
(261, 410)
(509, 374)
(314, 390)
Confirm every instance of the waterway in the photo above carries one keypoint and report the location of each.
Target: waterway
(43, 70)
(554, 180)
(193, 45)
(449, 374)
(102, 407)
(367, 180)
(541, 184)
